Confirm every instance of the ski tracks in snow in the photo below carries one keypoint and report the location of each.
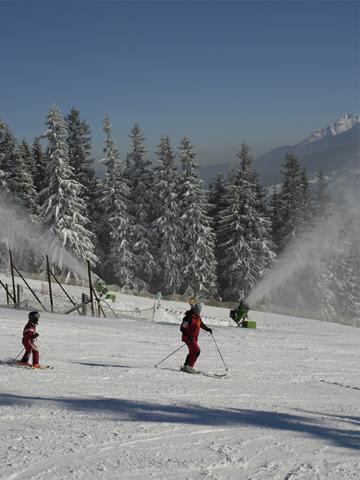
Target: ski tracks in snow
(60, 464)
(208, 453)
(289, 411)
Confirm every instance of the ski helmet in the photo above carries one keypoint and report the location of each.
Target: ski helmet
(196, 308)
(34, 317)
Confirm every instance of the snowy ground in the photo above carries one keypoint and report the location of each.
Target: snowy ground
(290, 409)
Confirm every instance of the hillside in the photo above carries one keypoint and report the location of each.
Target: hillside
(335, 148)
(289, 409)
(330, 154)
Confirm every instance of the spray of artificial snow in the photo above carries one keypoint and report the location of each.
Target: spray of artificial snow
(312, 248)
(306, 247)
(26, 237)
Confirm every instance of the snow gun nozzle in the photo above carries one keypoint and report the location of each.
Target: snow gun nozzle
(240, 312)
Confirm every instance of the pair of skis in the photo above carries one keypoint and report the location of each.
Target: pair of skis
(200, 372)
(13, 363)
(207, 374)
(215, 375)
(31, 367)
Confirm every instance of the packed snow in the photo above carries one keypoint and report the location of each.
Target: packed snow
(289, 408)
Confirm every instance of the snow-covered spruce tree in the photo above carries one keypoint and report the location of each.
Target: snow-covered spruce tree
(115, 222)
(3, 184)
(275, 218)
(198, 263)
(216, 194)
(39, 165)
(79, 142)
(294, 201)
(266, 250)
(7, 166)
(352, 283)
(166, 232)
(319, 281)
(24, 191)
(247, 249)
(345, 268)
(7, 154)
(139, 176)
(62, 207)
(291, 215)
(339, 206)
(101, 232)
(307, 217)
(17, 164)
(23, 183)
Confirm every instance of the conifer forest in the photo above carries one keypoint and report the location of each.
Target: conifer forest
(153, 227)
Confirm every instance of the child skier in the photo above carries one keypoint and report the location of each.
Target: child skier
(190, 328)
(29, 340)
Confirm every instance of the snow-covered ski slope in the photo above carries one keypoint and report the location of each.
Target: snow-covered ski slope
(290, 409)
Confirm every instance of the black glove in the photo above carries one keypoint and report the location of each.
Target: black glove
(35, 335)
(210, 331)
(190, 339)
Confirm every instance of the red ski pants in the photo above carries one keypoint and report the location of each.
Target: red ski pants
(29, 348)
(194, 352)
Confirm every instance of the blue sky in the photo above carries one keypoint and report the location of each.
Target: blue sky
(221, 72)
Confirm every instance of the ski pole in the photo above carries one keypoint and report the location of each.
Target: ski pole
(163, 360)
(218, 349)
(19, 353)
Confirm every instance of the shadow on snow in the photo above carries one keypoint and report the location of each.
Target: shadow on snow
(88, 364)
(141, 411)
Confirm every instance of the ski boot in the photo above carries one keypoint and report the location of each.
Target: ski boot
(23, 364)
(188, 369)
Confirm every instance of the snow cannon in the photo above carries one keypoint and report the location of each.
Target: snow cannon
(240, 316)
(103, 291)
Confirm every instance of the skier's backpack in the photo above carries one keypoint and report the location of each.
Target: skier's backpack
(186, 322)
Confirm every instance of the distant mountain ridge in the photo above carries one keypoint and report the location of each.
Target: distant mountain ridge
(344, 123)
(333, 148)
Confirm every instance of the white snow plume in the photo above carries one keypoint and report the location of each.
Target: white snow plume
(28, 238)
(307, 246)
(296, 276)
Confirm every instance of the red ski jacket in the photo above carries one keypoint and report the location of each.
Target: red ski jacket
(191, 325)
(28, 335)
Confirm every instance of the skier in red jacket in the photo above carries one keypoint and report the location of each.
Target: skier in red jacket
(29, 340)
(190, 328)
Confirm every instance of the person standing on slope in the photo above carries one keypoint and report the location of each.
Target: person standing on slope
(190, 328)
(29, 340)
